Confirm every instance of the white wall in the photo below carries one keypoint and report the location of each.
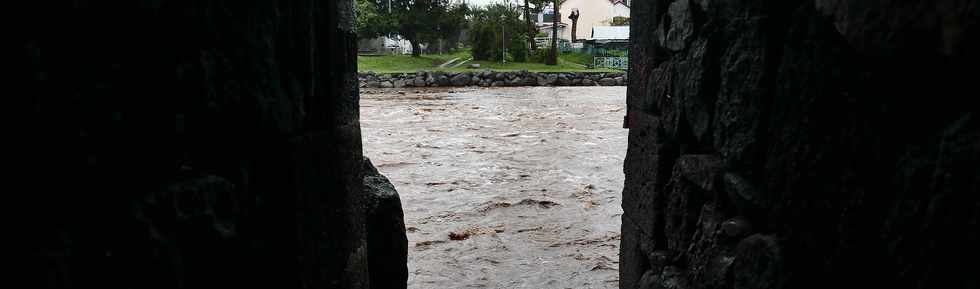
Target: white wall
(620, 10)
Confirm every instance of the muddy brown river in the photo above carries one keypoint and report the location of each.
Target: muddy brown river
(504, 187)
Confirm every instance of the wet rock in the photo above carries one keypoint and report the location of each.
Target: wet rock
(529, 80)
(745, 195)
(550, 79)
(387, 84)
(208, 199)
(563, 80)
(607, 82)
(373, 84)
(588, 82)
(786, 97)
(419, 82)
(737, 227)
(544, 204)
(670, 277)
(759, 263)
(718, 272)
(399, 83)
(661, 258)
(461, 79)
(541, 81)
(703, 171)
(681, 26)
(683, 208)
(257, 183)
(443, 80)
(387, 242)
(497, 83)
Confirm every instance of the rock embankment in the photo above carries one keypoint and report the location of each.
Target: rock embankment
(489, 78)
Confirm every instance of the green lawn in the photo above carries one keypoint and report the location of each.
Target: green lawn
(563, 66)
(580, 58)
(407, 64)
(404, 63)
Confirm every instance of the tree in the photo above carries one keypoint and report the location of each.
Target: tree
(488, 38)
(553, 54)
(530, 27)
(533, 7)
(418, 20)
(370, 22)
(451, 24)
(574, 18)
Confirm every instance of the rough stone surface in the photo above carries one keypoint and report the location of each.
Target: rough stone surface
(485, 78)
(607, 82)
(801, 144)
(189, 144)
(387, 243)
(461, 79)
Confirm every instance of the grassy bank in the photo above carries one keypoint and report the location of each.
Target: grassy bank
(431, 62)
(405, 63)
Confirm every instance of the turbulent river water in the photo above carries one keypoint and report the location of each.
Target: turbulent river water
(504, 187)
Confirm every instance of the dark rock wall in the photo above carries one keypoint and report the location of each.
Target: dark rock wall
(201, 144)
(802, 144)
(387, 241)
(490, 78)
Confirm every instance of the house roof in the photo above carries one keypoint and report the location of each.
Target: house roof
(610, 32)
(624, 2)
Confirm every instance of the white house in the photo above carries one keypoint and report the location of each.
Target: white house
(385, 45)
(591, 13)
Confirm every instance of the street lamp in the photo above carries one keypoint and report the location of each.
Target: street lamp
(503, 35)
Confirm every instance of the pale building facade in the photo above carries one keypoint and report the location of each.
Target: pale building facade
(591, 13)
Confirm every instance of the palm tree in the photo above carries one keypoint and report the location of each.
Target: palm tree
(553, 54)
(530, 28)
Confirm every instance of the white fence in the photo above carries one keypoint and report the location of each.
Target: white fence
(611, 62)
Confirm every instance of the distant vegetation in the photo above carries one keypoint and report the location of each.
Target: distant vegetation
(418, 21)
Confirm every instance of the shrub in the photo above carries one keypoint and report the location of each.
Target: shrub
(538, 56)
(486, 36)
(518, 48)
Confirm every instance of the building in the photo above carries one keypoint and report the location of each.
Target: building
(385, 45)
(612, 35)
(605, 38)
(591, 13)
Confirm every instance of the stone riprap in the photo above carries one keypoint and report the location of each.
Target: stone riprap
(489, 78)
